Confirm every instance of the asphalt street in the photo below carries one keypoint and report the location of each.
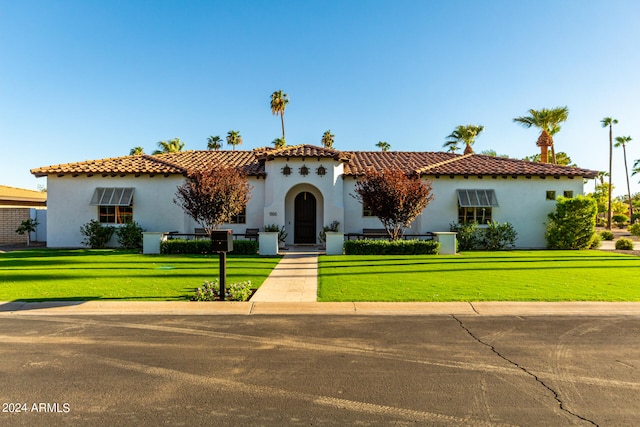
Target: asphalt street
(273, 370)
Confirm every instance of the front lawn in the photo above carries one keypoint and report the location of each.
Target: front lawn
(482, 276)
(45, 274)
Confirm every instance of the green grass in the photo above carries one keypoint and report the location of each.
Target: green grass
(482, 276)
(45, 274)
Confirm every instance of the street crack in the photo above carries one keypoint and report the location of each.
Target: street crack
(526, 371)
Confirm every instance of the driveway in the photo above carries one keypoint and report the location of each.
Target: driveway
(320, 370)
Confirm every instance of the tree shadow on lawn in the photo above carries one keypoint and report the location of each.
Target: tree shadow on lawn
(486, 269)
(464, 258)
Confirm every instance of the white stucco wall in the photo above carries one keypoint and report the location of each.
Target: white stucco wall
(522, 203)
(69, 205)
(280, 192)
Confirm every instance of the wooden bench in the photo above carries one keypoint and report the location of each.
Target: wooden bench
(375, 233)
(251, 234)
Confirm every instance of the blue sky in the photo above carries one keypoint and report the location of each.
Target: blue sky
(84, 80)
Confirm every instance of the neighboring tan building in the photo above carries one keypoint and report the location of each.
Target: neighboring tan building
(17, 205)
(305, 187)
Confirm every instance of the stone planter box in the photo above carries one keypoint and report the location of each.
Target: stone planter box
(447, 241)
(268, 243)
(335, 242)
(151, 242)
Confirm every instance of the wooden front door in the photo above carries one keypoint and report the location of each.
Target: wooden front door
(305, 218)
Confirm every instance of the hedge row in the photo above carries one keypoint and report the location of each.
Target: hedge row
(387, 247)
(203, 246)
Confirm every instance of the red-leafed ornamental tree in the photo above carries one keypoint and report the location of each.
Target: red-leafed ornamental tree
(395, 198)
(214, 196)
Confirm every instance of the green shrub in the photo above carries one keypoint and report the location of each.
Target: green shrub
(96, 235)
(130, 235)
(597, 242)
(203, 246)
(468, 237)
(606, 235)
(393, 247)
(245, 247)
(494, 237)
(498, 236)
(620, 218)
(635, 229)
(210, 291)
(182, 246)
(331, 227)
(624, 245)
(572, 224)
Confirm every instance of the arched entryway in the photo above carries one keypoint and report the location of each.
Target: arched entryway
(305, 218)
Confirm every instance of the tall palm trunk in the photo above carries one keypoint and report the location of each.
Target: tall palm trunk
(626, 171)
(610, 183)
(282, 120)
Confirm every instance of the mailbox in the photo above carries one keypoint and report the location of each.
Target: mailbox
(222, 240)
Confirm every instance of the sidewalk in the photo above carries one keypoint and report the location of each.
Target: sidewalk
(294, 279)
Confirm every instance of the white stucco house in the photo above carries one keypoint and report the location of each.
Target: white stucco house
(305, 187)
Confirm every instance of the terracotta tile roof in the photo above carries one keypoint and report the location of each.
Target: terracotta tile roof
(478, 164)
(356, 163)
(21, 197)
(408, 161)
(161, 164)
(305, 150)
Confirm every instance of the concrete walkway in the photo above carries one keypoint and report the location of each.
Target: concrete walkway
(295, 278)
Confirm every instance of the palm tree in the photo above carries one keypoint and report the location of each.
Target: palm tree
(385, 146)
(234, 138)
(171, 146)
(214, 143)
(279, 102)
(327, 139)
(466, 134)
(548, 121)
(623, 141)
(608, 121)
(279, 142)
(136, 151)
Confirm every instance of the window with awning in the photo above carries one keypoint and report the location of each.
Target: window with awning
(477, 199)
(114, 204)
(112, 196)
(476, 206)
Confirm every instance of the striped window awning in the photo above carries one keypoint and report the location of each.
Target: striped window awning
(112, 196)
(477, 198)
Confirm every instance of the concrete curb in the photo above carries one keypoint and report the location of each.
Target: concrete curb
(52, 308)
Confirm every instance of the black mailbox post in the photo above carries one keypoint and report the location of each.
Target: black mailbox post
(222, 242)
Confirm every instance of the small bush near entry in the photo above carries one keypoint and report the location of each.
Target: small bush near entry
(203, 246)
(210, 291)
(606, 235)
(635, 229)
(597, 242)
(96, 235)
(624, 245)
(130, 236)
(393, 247)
